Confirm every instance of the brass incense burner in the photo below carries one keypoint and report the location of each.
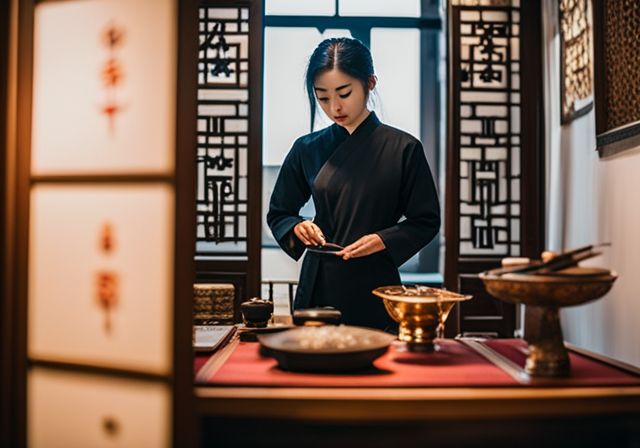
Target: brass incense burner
(420, 311)
(544, 294)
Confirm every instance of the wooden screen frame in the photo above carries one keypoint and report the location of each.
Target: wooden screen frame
(244, 274)
(7, 66)
(532, 221)
(16, 182)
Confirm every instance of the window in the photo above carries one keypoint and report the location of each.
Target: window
(406, 43)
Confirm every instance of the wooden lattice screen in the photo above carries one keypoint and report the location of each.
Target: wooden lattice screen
(495, 156)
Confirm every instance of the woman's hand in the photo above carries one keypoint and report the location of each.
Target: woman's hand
(309, 233)
(367, 245)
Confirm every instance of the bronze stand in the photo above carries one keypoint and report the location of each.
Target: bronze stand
(548, 357)
(544, 295)
(419, 336)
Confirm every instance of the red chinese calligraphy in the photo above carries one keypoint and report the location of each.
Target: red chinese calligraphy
(107, 294)
(106, 280)
(106, 238)
(112, 72)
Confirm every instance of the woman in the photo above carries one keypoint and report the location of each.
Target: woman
(363, 176)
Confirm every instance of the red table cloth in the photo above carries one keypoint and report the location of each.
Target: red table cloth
(585, 371)
(455, 365)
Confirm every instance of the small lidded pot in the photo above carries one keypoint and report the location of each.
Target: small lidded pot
(256, 312)
(313, 317)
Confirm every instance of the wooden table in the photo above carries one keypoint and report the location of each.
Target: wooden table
(508, 415)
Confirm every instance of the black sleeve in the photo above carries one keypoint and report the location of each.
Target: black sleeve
(290, 193)
(420, 206)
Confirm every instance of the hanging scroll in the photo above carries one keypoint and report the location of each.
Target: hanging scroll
(102, 70)
(100, 266)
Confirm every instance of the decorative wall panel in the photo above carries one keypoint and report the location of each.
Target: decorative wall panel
(103, 71)
(104, 248)
(576, 80)
(617, 75)
(489, 136)
(79, 410)
(101, 275)
(622, 64)
(223, 132)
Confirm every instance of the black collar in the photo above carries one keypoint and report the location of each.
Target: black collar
(368, 124)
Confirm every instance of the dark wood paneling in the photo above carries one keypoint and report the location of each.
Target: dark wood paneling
(102, 178)
(532, 223)
(599, 73)
(254, 240)
(452, 224)
(533, 162)
(23, 164)
(475, 265)
(482, 432)
(95, 370)
(184, 419)
(484, 314)
(6, 217)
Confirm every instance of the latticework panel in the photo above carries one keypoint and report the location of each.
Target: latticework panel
(622, 62)
(223, 128)
(575, 33)
(489, 136)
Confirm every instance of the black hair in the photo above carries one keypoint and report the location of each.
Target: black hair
(348, 55)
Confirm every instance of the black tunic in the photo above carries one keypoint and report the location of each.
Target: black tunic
(360, 183)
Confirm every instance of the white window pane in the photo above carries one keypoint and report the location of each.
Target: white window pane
(286, 107)
(300, 7)
(396, 57)
(377, 8)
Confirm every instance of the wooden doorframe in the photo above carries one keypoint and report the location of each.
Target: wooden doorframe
(6, 220)
(244, 274)
(20, 231)
(15, 184)
(533, 139)
(183, 400)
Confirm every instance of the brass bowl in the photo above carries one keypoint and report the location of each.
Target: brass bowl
(544, 295)
(570, 287)
(420, 311)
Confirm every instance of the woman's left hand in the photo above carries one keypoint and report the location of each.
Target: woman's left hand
(367, 245)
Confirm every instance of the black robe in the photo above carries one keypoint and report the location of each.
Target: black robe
(360, 183)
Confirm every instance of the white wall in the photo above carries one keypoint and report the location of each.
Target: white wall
(592, 200)
(602, 204)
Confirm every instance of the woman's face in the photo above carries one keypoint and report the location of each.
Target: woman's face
(342, 98)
